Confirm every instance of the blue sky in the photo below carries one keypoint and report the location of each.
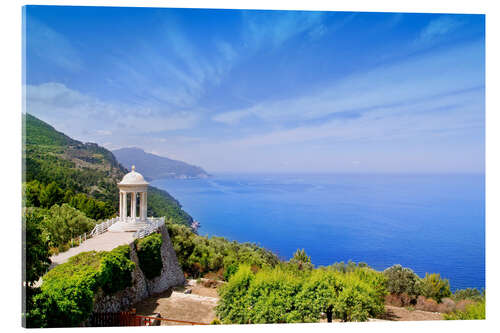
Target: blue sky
(264, 91)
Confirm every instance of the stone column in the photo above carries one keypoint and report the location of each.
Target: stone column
(140, 205)
(121, 206)
(125, 207)
(134, 204)
(145, 205)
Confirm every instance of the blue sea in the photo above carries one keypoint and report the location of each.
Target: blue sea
(430, 223)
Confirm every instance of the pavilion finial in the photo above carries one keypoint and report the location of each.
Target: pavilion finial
(133, 167)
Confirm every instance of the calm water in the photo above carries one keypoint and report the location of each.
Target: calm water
(430, 223)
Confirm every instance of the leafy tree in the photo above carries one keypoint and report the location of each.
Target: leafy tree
(301, 260)
(232, 307)
(36, 250)
(92, 208)
(318, 295)
(51, 195)
(229, 271)
(271, 297)
(31, 193)
(61, 223)
(68, 195)
(350, 266)
(432, 286)
(469, 293)
(402, 280)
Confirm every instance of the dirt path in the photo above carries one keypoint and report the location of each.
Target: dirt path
(197, 306)
(395, 313)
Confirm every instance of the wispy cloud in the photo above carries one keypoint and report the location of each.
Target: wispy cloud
(403, 83)
(89, 118)
(272, 29)
(438, 28)
(173, 70)
(51, 46)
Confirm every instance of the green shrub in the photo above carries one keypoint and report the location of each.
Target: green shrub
(432, 286)
(271, 297)
(229, 271)
(350, 266)
(116, 270)
(402, 280)
(301, 260)
(198, 255)
(318, 295)
(92, 208)
(215, 322)
(51, 195)
(232, 305)
(66, 296)
(352, 304)
(35, 248)
(289, 295)
(474, 311)
(61, 223)
(469, 293)
(31, 193)
(149, 253)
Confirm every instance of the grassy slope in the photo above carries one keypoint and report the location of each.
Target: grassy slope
(50, 155)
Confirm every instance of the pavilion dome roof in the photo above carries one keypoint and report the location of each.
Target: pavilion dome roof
(133, 178)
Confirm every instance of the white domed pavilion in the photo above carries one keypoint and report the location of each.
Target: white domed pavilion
(133, 185)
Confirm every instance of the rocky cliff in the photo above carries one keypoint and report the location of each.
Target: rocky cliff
(142, 288)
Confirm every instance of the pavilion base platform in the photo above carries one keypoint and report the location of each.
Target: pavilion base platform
(128, 226)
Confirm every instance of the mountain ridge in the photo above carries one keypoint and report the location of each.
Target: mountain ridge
(153, 166)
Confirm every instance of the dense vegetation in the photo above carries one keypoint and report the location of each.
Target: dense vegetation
(35, 249)
(160, 203)
(432, 293)
(65, 299)
(60, 224)
(199, 255)
(285, 294)
(59, 169)
(149, 253)
(295, 291)
(403, 281)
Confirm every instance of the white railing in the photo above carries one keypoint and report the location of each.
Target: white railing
(98, 229)
(103, 227)
(152, 225)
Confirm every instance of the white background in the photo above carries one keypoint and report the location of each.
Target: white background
(10, 133)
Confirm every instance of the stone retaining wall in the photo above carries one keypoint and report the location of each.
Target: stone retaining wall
(171, 275)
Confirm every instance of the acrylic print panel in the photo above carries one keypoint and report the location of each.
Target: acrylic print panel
(252, 166)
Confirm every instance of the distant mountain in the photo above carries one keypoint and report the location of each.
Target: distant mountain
(156, 167)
